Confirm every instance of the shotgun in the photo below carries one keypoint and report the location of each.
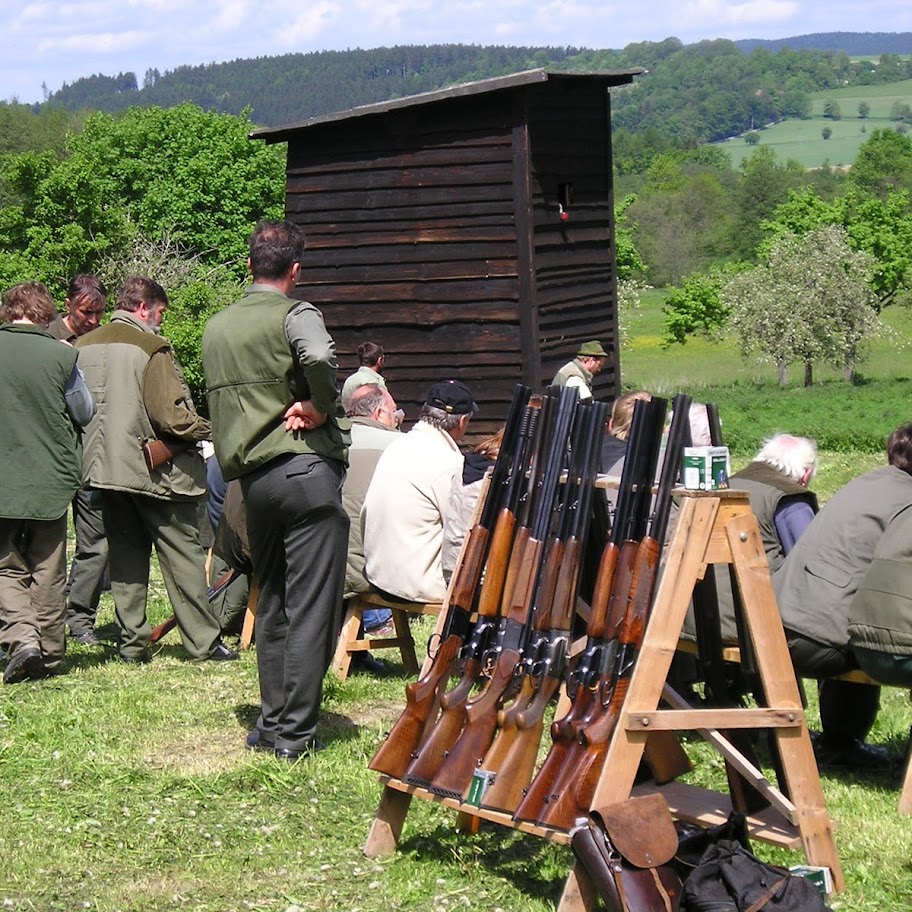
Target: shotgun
(572, 800)
(215, 590)
(159, 450)
(503, 661)
(488, 542)
(514, 750)
(613, 579)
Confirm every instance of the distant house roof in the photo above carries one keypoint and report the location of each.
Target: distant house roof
(496, 83)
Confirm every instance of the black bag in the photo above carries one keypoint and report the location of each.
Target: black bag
(730, 878)
(626, 849)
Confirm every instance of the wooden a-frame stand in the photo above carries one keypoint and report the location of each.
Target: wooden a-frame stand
(712, 528)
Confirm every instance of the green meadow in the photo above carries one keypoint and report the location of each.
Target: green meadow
(128, 788)
(802, 140)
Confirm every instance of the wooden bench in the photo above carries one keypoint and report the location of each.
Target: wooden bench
(856, 676)
(349, 642)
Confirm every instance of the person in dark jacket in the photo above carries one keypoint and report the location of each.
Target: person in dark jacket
(45, 403)
(816, 586)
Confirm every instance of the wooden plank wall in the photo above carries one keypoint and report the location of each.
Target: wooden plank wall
(574, 259)
(409, 218)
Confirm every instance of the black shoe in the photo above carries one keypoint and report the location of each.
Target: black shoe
(221, 653)
(25, 665)
(292, 756)
(142, 658)
(850, 754)
(364, 661)
(256, 742)
(89, 638)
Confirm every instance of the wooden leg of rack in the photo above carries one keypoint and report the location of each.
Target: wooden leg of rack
(579, 892)
(467, 823)
(387, 826)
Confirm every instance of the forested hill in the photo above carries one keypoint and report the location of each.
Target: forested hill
(691, 93)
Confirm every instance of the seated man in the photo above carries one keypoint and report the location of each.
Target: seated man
(776, 482)
(405, 504)
(373, 414)
(816, 586)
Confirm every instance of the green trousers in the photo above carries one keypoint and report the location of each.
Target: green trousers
(32, 586)
(134, 524)
(90, 561)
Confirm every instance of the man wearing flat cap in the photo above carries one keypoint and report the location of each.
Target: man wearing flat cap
(579, 372)
(403, 510)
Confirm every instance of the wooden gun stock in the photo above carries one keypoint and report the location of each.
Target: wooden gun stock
(163, 449)
(425, 761)
(422, 696)
(457, 767)
(216, 589)
(572, 798)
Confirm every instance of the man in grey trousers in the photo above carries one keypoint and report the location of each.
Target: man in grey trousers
(278, 426)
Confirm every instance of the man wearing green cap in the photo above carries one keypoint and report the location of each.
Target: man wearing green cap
(589, 360)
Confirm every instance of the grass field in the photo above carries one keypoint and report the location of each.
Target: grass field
(128, 789)
(802, 140)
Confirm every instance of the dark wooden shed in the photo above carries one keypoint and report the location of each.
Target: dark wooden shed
(469, 231)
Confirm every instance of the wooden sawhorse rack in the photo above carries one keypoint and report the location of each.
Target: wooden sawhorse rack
(712, 528)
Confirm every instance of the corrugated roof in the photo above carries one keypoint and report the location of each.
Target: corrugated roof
(494, 84)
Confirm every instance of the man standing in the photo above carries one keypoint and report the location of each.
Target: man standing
(370, 359)
(85, 305)
(44, 402)
(142, 397)
(271, 369)
(816, 586)
(406, 501)
(579, 372)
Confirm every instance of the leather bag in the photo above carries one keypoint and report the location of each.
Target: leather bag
(626, 848)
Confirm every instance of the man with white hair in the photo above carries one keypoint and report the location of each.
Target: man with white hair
(776, 481)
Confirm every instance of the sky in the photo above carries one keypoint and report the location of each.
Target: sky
(44, 44)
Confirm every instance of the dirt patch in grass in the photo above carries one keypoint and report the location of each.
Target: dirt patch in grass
(197, 753)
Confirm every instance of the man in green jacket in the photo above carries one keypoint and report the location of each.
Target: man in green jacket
(581, 371)
(44, 403)
(816, 586)
(278, 426)
(142, 397)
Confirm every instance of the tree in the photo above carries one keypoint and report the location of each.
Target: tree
(826, 132)
(832, 110)
(752, 138)
(881, 228)
(883, 163)
(864, 110)
(696, 307)
(181, 174)
(811, 302)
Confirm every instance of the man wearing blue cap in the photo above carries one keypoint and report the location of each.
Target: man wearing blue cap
(404, 506)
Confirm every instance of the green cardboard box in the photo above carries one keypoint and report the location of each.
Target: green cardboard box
(706, 468)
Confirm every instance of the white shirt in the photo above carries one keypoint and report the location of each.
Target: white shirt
(403, 512)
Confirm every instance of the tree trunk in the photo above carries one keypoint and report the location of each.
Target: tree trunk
(782, 368)
(808, 373)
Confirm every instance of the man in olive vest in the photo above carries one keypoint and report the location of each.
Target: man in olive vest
(816, 586)
(142, 397)
(85, 306)
(581, 371)
(278, 426)
(44, 403)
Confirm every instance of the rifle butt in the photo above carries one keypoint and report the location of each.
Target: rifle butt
(515, 768)
(453, 778)
(439, 742)
(162, 629)
(421, 703)
(540, 789)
